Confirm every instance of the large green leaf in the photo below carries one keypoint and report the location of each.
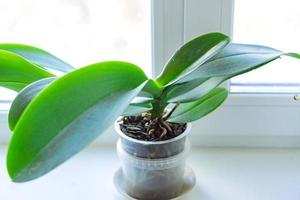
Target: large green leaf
(23, 99)
(16, 72)
(38, 56)
(236, 59)
(69, 114)
(188, 112)
(191, 55)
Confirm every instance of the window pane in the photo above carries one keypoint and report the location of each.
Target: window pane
(81, 32)
(271, 23)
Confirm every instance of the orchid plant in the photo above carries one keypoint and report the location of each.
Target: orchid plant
(54, 117)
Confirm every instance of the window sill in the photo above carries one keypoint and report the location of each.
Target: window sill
(222, 173)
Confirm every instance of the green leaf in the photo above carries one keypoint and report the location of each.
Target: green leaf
(135, 109)
(152, 88)
(190, 92)
(23, 99)
(293, 55)
(38, 56)
(16, 72)
(235, 59)
(191, 55)
(175, 90)
(69, 114)
(138, 100)
(13, 85)
(192, 111)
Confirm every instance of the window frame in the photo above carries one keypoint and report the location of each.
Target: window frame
(248, 120)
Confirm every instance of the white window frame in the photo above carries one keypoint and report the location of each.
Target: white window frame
(251, 120)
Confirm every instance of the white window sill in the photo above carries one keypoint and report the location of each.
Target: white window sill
(222, 173)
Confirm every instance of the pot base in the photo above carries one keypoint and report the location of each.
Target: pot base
(189, 182)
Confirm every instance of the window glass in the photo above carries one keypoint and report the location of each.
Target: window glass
(81, 32)
(273, 23)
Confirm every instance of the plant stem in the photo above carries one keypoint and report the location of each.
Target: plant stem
(158, 109)
(171, 112)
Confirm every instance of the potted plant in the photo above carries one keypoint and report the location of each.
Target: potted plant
(54, 117)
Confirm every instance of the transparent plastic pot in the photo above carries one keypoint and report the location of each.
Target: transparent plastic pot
(153, 170)
(153, 178)
(155, 149)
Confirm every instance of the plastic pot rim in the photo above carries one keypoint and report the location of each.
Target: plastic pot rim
(123, 135)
